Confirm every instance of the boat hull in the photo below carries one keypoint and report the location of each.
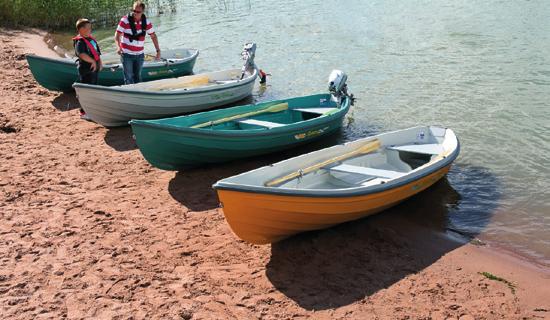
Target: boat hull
(170, 148)
(112, 107)
(60, 74)
(173, 151)
(262, 218)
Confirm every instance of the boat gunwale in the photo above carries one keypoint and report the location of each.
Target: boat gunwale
(72, 62)
(304, 124)
(409, 178)
(182, 92)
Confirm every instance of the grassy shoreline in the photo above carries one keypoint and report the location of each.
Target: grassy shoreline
(62, 14)
(58, 17)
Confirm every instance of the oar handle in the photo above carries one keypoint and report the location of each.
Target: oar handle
(183, 82)
(161, 59)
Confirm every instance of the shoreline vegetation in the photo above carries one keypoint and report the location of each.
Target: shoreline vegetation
(60, 15)
(57, 17)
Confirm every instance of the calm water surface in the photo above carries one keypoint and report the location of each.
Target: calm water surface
(480, 68)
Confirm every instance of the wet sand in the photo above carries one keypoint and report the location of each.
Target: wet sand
(90, 230)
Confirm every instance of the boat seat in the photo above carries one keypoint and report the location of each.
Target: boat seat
(261, 123)
(380, 173)
(315, 110)
(226, 81)
(432, 148)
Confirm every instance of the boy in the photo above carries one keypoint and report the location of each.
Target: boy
(130, 38)
(88, 53)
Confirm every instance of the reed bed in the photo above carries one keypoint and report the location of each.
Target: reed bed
(62, 14)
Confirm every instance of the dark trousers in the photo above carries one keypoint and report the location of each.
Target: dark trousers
(132, 65)
(89, 77)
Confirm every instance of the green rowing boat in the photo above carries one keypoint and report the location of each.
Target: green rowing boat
(59, 74)
(244, 131)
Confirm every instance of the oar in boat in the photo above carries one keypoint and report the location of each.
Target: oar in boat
(184, 82)
(152, 57)
(274, 108)
(369, 147)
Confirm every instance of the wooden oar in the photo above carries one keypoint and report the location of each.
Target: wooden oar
(152, 57)
(369, 147)
(184, 82)
(274, 108)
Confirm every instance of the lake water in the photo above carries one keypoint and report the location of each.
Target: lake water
(481, 68)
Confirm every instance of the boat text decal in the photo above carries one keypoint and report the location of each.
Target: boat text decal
(161, 72)
(309, 134)
(223, 95)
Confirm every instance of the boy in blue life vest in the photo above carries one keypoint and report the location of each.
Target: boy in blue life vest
(88, 53)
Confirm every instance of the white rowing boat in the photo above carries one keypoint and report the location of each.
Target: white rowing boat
(115, 106)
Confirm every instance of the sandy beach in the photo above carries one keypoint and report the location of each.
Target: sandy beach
(90, 230)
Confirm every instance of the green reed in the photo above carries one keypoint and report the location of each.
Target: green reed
(62, 14)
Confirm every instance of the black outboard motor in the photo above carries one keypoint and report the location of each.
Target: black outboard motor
(248, 54)
(337, 85)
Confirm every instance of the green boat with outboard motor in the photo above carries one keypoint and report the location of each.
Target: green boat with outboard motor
(243, 131)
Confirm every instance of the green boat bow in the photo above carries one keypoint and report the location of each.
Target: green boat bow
(59, 74)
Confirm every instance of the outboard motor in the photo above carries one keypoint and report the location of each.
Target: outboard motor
(337, 85)
(248, 54)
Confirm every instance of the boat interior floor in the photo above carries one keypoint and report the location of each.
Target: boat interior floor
(375, 168)
(280, 119)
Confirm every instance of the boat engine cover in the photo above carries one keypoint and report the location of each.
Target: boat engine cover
(248, 54)
(337, 82)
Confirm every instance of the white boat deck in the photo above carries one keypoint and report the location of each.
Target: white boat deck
(266, 124)
(380, 173)
(315, 110)
(419, 148)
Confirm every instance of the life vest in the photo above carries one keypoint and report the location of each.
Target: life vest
(88, 44)
(134, 36)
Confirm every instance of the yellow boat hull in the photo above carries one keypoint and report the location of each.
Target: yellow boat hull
(266, 218)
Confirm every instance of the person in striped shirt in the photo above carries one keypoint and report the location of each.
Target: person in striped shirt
(130, 38)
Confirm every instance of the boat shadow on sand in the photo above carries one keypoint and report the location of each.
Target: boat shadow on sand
(120, 139)
(193, 187)
(347, 263)
(66, 102)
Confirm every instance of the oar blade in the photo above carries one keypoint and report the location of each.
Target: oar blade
(278, 107)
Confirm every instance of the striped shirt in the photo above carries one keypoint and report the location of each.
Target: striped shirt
(133, 46)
